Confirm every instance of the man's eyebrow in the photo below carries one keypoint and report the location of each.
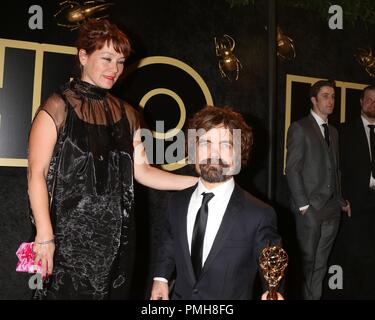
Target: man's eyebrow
(208, 140)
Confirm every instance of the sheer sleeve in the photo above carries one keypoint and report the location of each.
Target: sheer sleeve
(133, 118)
(55, 107)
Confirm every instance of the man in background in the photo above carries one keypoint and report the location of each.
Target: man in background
(312, 172)
(356, 239)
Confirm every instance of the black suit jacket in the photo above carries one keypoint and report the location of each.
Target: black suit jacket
(232, 264)
(355, 163)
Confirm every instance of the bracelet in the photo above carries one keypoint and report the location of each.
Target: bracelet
(46, 242)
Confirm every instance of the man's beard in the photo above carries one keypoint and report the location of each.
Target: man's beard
(369, 113)
(214, 173)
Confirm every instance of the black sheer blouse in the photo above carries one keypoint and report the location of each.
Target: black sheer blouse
(90, 182)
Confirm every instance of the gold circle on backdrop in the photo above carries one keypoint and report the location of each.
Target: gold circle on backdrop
(180, 103)
(176, 63)
(189, 70)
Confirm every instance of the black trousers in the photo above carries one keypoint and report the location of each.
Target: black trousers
(354, 251)
(316, 233)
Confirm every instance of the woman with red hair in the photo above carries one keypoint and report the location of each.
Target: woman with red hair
(84, 151)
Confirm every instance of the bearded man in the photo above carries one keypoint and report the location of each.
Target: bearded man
(356, 238)
(215, 230)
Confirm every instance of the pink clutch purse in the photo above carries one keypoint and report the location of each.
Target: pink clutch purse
(26, 258)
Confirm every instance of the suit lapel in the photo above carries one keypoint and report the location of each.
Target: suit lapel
(184, 207)
(333, 140)
(225, 227)
(317, 131)
(362, 139)
(334, 145)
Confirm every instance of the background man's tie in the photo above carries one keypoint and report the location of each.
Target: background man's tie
(372, 145)
(326, 133)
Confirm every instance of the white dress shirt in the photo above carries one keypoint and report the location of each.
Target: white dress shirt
(216, 209)
(367, 130)
(320, 121)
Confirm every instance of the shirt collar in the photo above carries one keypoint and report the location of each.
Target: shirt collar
(220, 191)
(318, 119)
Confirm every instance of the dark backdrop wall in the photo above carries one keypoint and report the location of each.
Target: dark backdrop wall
(185, 30)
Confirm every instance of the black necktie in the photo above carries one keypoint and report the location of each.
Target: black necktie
(326, 133)
(198, 234)
(372, 146)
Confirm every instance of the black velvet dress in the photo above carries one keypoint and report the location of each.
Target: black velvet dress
(90, 182)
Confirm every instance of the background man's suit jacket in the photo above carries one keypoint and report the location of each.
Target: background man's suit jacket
(308, 166)
(232, 264)
(355, 163)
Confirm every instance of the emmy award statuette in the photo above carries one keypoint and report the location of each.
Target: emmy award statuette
(273, 261)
